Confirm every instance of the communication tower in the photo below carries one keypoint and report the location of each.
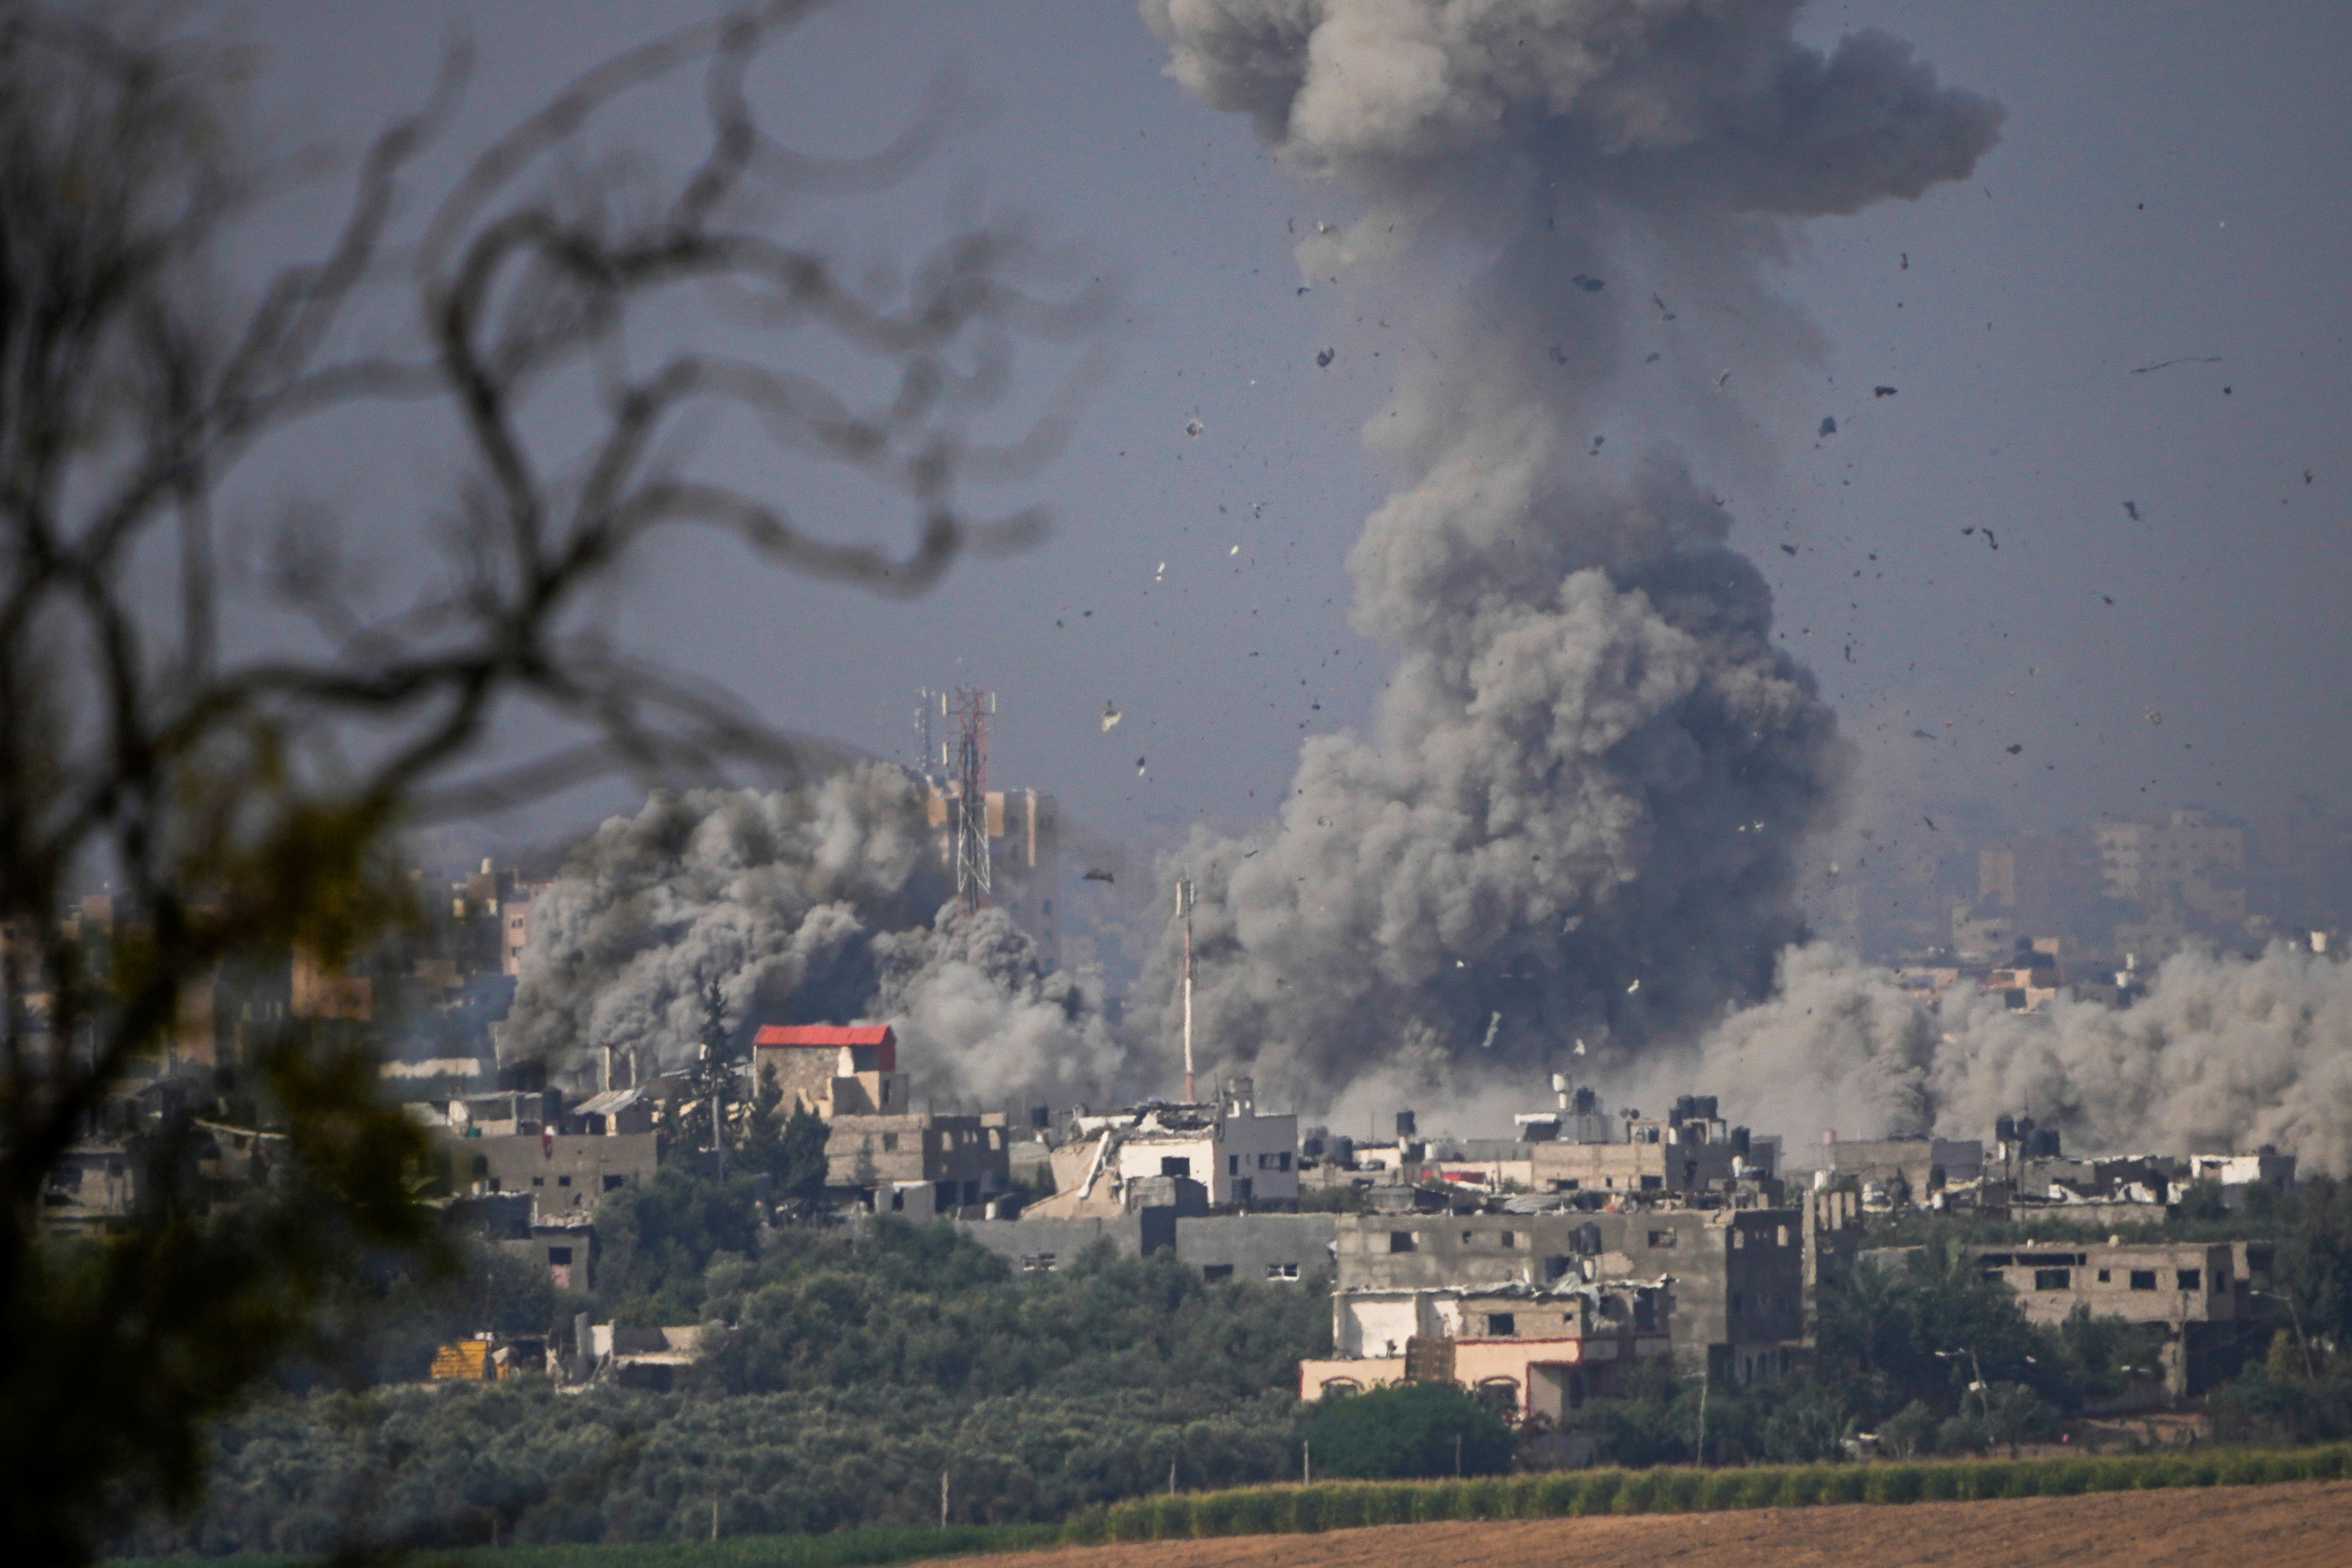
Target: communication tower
(972, 709)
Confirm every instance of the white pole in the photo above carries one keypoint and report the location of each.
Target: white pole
(943, 1500)
(1306, 1461)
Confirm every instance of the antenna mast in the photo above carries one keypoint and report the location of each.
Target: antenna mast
(973, 709)
(1185, 908)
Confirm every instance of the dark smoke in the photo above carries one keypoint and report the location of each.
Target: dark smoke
(1583, 791)
(815, 905)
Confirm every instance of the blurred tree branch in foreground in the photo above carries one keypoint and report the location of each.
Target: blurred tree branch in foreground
(244, 802)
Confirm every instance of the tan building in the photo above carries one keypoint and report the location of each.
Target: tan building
(1525, 1350)
(2192, 858)
(961, 1158)
(1237, 1153)
(565, 1173)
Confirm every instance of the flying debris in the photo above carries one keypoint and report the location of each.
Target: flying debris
(1139, 767)
(1193, 427)
(2106, 599)
(1236, 549)
(1991, 540)
(1589, 283)
(1654, 359)
(2131, 510)
(1663, 314)
(1595, 450)
(1097, 874)
(2154, 717)
(1323, 360)
(1636, 987)
(1921, 735)
(1788, 550)
(1111, 717)
(1721, 379)
(2014, 750)
(1931, 825)
(1905, 266)
(1580, 1047)
(2307, 476)
(1828, 426)
(1493, 1024)
(1882, 392)
(2184, 359)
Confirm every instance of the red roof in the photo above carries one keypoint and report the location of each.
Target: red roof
(829, 1035)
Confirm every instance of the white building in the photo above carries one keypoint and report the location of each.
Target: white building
(1239, 1155)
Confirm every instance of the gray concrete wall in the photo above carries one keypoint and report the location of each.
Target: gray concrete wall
(1028, 1243)
(1265, 1247)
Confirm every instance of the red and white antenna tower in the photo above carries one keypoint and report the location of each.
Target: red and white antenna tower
(973, 710)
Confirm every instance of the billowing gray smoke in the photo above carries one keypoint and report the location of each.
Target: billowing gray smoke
(1580, 798)
(815, 905)
(2222, 1055)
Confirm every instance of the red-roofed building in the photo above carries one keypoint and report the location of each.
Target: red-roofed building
(834, 1069)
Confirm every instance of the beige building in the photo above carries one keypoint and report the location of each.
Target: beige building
(961, 1159)
(1526, 1351)
(2191, 858)
(1237, 1155)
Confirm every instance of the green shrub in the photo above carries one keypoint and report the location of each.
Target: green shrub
(1486, 1497)
(1434, 1501)
(1131, 1521)
(1803, 1487)
(1636, 1493)
(1892, 1483)
(1552, 1496)
(1598, 1492)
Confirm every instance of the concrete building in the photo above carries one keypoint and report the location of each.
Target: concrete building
(1902, 1169)
(1240, 1156)
(565, 1247)
(1278, 1248)
(564, 1174)
(2197, 1307)
(1525, 1350)
(835, 1070)
(2192, 859)
(1738, 1274)
(961, 1158)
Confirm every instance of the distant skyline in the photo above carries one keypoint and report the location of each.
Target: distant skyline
(2139, 299)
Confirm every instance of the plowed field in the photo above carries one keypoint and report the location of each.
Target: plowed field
(2305, 1524)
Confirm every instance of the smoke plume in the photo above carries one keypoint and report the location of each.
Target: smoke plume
(1579, 800)
(2223, 1054)
(817, 905)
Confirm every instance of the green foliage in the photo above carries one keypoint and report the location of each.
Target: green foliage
(788, 1150)
(657, 1241)
(848, 1374)
(1409, 1429)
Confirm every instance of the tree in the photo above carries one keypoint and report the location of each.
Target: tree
(244, 793)
(1410, 1429)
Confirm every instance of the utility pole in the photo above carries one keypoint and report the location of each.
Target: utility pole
(1185, 908)
(1703, 1379)
(943, 1500)
(1306, 1461)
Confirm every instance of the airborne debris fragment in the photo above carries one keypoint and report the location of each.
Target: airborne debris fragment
(1663, 314)
(1882, 392)
(2014, 750)
(1931, 825)
(1788, 550)
(1493, 1024)
(1097, 874)
(1589, 283)
(1654, 359)
(1323, 360)
(1193, 427)
(1828, 426)
(1139, 767)
(1905, 266)
(1110, 716)
(1721, 379)
(2131, 510)
(2184, 359)
(2154, 717)
(1595, 450)
(1636, 987)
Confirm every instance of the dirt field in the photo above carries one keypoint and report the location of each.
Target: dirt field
(2297, 1525)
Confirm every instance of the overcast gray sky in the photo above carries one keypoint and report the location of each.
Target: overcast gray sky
(2172, 184)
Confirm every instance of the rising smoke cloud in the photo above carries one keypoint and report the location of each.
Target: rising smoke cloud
(1580, 800)
(2223, 1054)
(816, 905)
